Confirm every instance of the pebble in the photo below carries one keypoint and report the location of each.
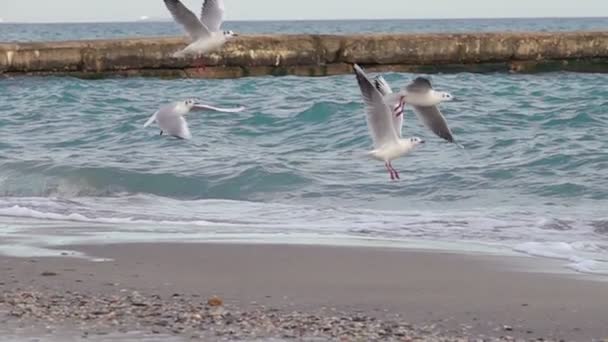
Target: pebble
(48, 274)
(215, 301)
(185, 315)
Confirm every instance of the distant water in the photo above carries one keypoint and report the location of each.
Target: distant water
(47, 32)
(77, 166)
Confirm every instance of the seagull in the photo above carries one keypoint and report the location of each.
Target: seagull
(382, 123)
(170, 118)
(205, 32)
(419, 92)
(430, 116)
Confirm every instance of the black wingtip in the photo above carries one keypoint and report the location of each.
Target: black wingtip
(447, 137)
(359, 72)
(377, 83)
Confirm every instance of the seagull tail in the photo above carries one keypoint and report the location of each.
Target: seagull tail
(150, 120)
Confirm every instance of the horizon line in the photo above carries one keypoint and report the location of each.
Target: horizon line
(288, 20)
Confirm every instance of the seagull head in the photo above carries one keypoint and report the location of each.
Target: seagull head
(230, 34)
(415, 141)
(190, 103)
(445, 96)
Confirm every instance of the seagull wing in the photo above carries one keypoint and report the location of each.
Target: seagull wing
(150, 120)
(435, 121)
(175, 125)
(212, 14)
(379, 116)
(419, 85)
(383, 87)
(204, 107)
(193, 26)
(184, 131)
(398, 110)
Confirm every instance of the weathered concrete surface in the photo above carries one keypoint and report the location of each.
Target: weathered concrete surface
(314, 55)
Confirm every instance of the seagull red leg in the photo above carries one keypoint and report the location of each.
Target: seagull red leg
(200, 64)
(390, 170)
(400, 108)
(394, 171)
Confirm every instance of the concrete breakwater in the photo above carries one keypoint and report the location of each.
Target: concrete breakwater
(313, 55)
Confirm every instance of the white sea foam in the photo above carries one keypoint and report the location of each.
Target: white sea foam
(579, 254)
(42, 222)
(18, 211)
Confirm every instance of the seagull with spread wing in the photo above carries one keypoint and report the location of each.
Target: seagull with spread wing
(205, 32)
(170, 118)
(384, 125)
(420, 89)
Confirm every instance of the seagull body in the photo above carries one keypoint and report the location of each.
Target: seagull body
(205, 32)
(213, 42)
(388, 144)
(170, 118)
(430, 115)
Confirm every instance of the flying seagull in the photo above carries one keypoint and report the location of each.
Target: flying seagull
(205, 32)
(388, 144)
(419, 92)
(430, 116)
(170, 118)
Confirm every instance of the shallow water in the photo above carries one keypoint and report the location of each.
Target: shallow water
(77, 166)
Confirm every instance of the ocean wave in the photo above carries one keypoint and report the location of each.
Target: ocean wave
(294, 162)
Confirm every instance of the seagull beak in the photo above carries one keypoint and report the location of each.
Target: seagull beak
(422, 142)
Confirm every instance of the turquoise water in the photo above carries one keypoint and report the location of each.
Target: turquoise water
(46, 32)
(76, 166)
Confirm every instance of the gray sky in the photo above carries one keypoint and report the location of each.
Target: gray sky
(125, 10)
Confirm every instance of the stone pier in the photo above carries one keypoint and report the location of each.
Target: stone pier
(313, 55)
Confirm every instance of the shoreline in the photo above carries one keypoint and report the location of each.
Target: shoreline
(457, 295)
(534, 262)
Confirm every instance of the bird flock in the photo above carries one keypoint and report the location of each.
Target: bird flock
(384, 107)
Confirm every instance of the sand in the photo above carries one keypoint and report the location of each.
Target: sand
(442, 294)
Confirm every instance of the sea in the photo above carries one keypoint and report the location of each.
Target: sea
(77, 166)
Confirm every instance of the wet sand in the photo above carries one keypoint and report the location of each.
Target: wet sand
(442, 294)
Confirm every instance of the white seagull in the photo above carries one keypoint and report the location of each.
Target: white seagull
(430, 115)
(170, 118)
(384, 126)
(418, 93)
(205, 32)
